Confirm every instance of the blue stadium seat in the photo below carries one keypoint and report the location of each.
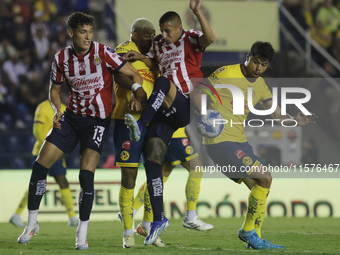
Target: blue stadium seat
(14, 144)
(28, 120)
(18, 163)
(30, 141)
(7, 120)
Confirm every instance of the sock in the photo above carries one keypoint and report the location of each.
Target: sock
(134, 212)
(82, 227)
(22, 204)
(128, 232)
(67, 200)
(155, 188)
(256, 208)
(192, 190)
(139, 199)
(32, 217)
(160, 89)
(37, 186)
(86, 194)
(146, 224)
(191, 214)
(126, 207)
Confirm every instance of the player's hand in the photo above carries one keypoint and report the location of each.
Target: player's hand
(141, 96)
(195, 5)
(133, 55)
(134, 104)
(56, 118)
(303, 119)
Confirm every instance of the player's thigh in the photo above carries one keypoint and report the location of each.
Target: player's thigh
(127, 152)
(89, 159)
(170, 97)
(49, 154)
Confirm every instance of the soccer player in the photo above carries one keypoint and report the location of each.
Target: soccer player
(231, 146)
(86, 68)
(178, 54)
(42, 125)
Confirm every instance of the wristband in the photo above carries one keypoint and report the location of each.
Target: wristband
(135, 86)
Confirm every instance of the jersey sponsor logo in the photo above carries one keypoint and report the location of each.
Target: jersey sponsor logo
(247, 161)
(239, 154)
(126, 43)
(82, 66)
(110, 50)
(185, 142)
(147, 75)
(97, 61)
(126, 145)
(220, 69)
(189, 150)
(172, 57)
(81, 82)
(124, 155)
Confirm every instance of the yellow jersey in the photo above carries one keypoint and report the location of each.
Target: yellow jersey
(233, 75)
(123, 96)
(43, 122)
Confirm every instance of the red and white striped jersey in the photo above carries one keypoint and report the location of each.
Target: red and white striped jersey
(89, 78)
(181, 60)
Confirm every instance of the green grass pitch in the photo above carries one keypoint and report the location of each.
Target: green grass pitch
(299, 235)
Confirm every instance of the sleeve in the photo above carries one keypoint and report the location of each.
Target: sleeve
(113, 60)
(41, 124)
(215, 77)
(121, 50)
(57, 70)
(155, 46)
(193, 38)
(266, 95)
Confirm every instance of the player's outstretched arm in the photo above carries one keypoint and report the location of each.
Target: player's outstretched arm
(152, 63)
(208, 36)
(55, 101)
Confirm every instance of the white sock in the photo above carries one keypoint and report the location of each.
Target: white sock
(15, 215)
(146, 225)
(82, 227)
(134, 212)
(191, 214)
(128, 232)
(32, 217)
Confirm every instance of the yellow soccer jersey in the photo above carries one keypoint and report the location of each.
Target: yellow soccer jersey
(122, 95)
(233, 75)
(43, 122)
(179, 133)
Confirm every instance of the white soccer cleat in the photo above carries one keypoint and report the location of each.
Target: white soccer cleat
(16, 220)
(134, 127)
(73, 222)
(81, 241)
(196, 224)
(29, 231)
(129, 241)
(143, 232)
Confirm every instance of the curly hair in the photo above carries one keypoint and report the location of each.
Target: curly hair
(264, 50)
(78, 18)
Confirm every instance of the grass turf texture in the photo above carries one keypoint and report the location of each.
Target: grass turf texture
(299, 235)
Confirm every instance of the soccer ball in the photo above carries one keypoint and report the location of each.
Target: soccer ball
(207, 127)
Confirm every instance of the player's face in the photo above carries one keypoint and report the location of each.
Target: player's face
(171, 31)
(143, 39)
(81, 38)
(255, 66)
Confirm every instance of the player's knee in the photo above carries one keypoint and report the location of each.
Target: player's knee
(265, 180)
(162, 84)
(155, 150)
(129, 176)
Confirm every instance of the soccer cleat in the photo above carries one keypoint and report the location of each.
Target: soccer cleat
(129, 241)
(81, 241)
(197, 224)
(29, 231)
(143, 232)
(134, 127)
(274, 246)
(73, 222)
(16, 221)
(252, 238)
(157, 227)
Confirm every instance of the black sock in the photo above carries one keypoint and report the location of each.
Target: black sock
(86, 194)
(37, 186)
(160, 89)
(154, 181)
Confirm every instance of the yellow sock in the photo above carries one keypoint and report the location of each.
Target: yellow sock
(192, 189)
(23, 204)
(256, 209)
(148, 215)
(139, 199)
(126, 206)
(67, 200)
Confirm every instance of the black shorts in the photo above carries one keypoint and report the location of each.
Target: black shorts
(165, 123)
(90, 131)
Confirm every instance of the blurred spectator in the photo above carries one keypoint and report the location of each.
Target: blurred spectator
(59, 44)
(329, 16)
(6, 17)
(38, 23)
(41, 44)
(23, 45)
(335, 50)
(47, 7)
(6, 50)
(323, 37)
(22, 8)
(310, 154)
(59, 25)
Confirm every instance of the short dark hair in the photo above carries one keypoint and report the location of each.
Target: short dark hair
(169, 16)
(264, 50)
(78, 18)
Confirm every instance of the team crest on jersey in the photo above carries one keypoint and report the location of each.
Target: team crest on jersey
(247, 161)
(82, 66)
(220, 69)
(124, 155)
(189, 150)
(97, 61)
(125, 43)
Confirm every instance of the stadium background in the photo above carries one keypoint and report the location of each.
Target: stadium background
(30, 36)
